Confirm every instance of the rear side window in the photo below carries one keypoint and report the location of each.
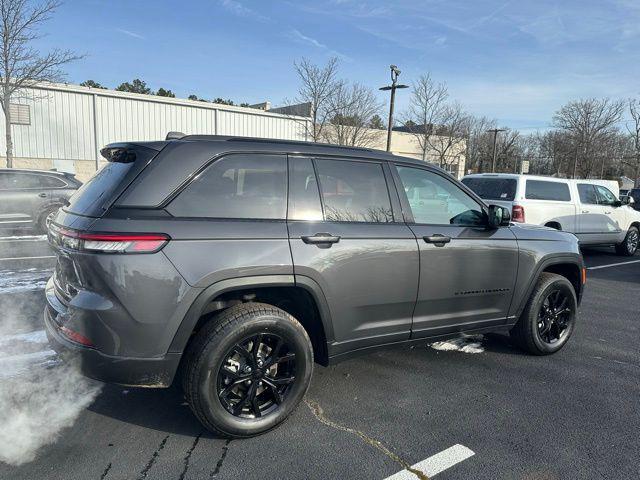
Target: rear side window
(245, 186)
(493, 188)
(304, 196)
(17, 181)
(541, 190)
(587, 194)
(96, 195)
(354, 191)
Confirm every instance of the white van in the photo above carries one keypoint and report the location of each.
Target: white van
(586, 208)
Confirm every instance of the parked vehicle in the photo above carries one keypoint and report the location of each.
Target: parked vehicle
(634, 193)
(239, 262)
(586, 208)
(29, 198)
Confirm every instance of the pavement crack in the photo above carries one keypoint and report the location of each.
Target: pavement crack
(152, 460)
(187, 457)
(225, 449)
(317, 411)
(106, 472)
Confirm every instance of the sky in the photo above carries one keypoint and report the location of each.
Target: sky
(515, 61)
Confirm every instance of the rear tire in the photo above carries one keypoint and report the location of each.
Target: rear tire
(629, 245)
(247, 370)
(549, 318)
(42, 225)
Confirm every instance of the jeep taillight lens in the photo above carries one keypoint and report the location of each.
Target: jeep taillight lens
(517, 214)
(107, 242)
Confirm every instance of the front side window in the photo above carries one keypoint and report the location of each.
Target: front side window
(587, 194)
(605, 196)
(541, 190)
(18, 181)
(435, 200)
(353, 191)
(244, 186)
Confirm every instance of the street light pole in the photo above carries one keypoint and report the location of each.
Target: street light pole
(495, 138)
(393, 87)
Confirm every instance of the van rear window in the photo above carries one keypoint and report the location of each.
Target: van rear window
(541, 190)
(492, 188)
(94, 197)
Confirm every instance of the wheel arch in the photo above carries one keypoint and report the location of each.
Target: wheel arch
(553, 224)
(568, 266)
(303, 299)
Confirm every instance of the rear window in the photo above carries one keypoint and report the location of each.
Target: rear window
(94, 197)
(541, 190)
(492, 188)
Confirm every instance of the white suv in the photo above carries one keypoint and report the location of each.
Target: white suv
(586, 208)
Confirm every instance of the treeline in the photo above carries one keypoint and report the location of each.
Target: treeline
(594, 137)
(140, 86)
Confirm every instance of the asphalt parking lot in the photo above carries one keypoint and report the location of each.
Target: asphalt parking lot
(477, 409)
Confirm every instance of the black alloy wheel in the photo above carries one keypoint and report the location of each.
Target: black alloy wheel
(554, 316)
(256, 375)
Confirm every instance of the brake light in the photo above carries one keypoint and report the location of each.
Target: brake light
(517, 213)
(107, 242)
(76, 337)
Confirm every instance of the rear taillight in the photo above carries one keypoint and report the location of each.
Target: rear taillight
(107, 242)
(76, 337)
(517, 214)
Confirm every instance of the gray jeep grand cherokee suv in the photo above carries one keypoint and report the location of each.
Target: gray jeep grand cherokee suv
(239, 262)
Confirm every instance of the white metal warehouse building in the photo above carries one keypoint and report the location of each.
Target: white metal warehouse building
(64, 126)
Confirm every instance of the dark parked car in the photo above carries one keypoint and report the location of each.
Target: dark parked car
(29, 197)
(239, 262)
(635, 194)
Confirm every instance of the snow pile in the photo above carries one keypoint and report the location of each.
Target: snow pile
(465, 344)
(24, 280)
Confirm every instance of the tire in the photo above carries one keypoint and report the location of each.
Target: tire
(222, 358)
(530, 332)
(42, 222)
(629, 245)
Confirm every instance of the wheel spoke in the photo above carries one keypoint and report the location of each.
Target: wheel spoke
(240, 350)
(256, 347)
(237, 408)
(253, 398)
(274, 390)
(282, 381)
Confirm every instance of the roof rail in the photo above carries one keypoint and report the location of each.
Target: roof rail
(174, 136)
(227, 138)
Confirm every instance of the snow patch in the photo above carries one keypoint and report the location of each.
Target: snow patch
(465, 344)
(25, 280)
(24, 237)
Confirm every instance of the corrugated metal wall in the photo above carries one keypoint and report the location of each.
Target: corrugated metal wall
(62, 122)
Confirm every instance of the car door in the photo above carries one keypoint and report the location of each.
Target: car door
(21, 196)
(348, 241)
(613, 214)
(595, 225)
(467, 271)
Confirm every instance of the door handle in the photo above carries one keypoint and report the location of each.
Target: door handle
(320, 239)
(585, 211)
(607, 213)
(42, 195)
(437, 239)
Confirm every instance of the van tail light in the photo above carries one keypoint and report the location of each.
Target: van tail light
(107, 242)
(517, 214)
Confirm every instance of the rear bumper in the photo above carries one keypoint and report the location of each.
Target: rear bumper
(135, 372)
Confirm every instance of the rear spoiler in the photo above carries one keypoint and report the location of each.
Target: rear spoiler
(125, 152)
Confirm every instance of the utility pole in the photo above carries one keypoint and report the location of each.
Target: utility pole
(393, 87)
(495, 139)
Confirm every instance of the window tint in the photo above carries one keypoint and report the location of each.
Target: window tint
(51, 182)
(354, 191)
(304, 197)
(605, 196)
(237, 186)
(541, 190)
(587, 194)
(437, 201)
(492, 188)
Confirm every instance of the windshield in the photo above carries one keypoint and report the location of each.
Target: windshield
(492, 188)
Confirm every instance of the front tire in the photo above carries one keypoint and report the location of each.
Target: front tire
(247, 370)
(629, 245)
(549, 317)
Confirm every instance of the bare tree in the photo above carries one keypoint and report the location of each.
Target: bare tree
(449, 135)
(353, 107)
(426, 109)
(588, 120)
(634, 134)
(318, 86)
(479, 143)
(21, 66)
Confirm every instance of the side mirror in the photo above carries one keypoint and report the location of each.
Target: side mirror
(498, 216)
(617, 204)
(627, 200)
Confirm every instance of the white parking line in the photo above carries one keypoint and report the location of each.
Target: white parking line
(436, 463)
(27, 258)
(24, 238)
(613, 265)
